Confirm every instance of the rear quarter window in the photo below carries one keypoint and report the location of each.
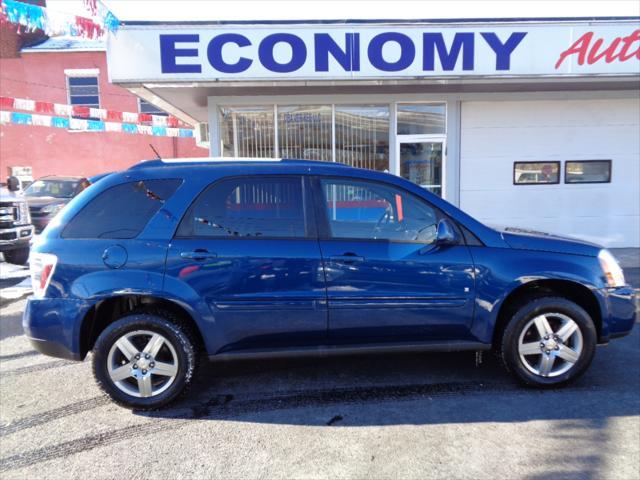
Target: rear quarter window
(121, 211)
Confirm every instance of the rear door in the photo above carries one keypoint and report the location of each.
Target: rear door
(247, 247)
(386, 279)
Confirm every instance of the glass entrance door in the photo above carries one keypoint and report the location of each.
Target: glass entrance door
(422, 162)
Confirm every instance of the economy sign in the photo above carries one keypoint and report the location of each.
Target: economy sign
(297, 52)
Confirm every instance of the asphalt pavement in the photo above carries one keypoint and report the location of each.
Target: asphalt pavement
(392, 416)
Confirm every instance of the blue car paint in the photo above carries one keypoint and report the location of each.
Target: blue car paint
(251, 302)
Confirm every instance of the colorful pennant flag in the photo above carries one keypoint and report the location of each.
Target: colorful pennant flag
(11, 103)
(54, 24)
(88, 125)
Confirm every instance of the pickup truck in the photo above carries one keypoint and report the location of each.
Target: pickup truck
(16, 230)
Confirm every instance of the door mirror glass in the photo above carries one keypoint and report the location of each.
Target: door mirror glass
(447, 233)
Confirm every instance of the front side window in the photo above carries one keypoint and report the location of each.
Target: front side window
(375, 211)
(535, 173)
(253, 207)
(121, 211)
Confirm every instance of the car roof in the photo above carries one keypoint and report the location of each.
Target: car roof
(60, 177)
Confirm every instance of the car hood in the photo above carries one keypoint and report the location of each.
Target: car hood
(545, 242)
(42, 201)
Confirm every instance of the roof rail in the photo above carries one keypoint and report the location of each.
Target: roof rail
(221, 160)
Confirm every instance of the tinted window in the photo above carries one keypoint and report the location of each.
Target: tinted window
(121, 211)
(532, 173)
(587, 171)
(369, 210)
(248, 207)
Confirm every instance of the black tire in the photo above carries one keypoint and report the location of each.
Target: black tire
(178, 336)
(532, 309)
(19, 256)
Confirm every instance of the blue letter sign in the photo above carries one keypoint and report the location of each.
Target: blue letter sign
(169, 53)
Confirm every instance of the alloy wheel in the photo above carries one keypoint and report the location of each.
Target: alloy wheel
(142, 363)
(550, 344)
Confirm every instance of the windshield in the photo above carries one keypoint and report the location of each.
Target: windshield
(52, 188)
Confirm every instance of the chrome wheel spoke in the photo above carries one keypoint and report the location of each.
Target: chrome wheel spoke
(165, 369)
(568, 354)
(546, 364)
(543, 327)
(154, 345)
(120, 373)
(144, 385)
(567, 330)
(126, 347)
(532, 348)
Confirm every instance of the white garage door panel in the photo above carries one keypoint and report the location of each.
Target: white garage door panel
(537, 112)
(553, 143)
(495, 134)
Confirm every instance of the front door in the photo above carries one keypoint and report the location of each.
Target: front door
(247, 250)
(386, 280)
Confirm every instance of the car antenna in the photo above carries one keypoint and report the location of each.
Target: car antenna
(155, 151)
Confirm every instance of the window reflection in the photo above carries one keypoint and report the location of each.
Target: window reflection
(362, 136)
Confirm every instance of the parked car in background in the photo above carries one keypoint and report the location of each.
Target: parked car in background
(171, 260)
(48, 195)
(16, 230)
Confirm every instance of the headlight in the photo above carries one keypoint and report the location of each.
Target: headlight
(25, 217)
(54, 208)
(612, 271)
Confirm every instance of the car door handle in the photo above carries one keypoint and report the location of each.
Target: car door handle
(198, 254)
(346, 258)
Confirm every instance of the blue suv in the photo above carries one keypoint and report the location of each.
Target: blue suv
(154, 267)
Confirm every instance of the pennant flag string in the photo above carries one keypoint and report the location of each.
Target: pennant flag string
(35, 17)
(10, 103)
(87, 125)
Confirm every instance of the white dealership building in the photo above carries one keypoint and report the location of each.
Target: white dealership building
(527, 123)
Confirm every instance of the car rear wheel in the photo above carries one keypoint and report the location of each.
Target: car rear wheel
(144, 361)
(549, 342)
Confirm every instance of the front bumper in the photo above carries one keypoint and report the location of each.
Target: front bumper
(53, 325)
(622, 308)
(14, 238)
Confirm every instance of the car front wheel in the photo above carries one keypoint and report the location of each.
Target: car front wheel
(19, 256)
(144, 361)
(549, 342)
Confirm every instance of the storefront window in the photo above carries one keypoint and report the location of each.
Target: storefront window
(361, 133)
(362, 136)
(247, 131)
(305, 132)
(420, 119)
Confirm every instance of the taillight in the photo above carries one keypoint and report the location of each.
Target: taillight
(42, 266)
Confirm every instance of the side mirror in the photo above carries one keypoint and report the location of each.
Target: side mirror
(13, 184)
(447, 234)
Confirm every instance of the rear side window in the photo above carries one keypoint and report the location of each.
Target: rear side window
(121, 211)
(252, 207)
